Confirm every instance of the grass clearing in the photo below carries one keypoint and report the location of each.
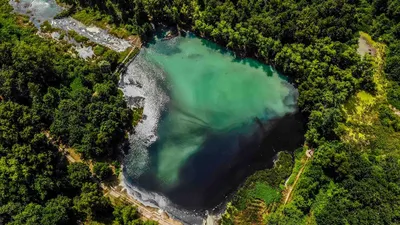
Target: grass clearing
(265, 192)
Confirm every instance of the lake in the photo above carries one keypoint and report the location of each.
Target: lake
(211, 120)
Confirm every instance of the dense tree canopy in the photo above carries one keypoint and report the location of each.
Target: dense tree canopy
(102, 170)
(42, 89)
(345, 186)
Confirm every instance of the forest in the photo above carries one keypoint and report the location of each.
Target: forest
(314, 42)
(45, 90)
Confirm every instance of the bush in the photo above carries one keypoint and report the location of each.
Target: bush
(111, 57)
(47, 28)
(394, 95)
(79, 38)
(99, 50)
(102, 170)
(78, 173)
(388, 118)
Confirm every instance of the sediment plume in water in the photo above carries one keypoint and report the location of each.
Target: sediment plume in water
(206, 115)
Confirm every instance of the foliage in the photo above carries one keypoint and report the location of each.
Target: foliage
(388, 118)
(44, 89)
(386, 28)
(66, 13)
(47, 28)
(265, 193)
(54, 212)
(345, 186)
(91, 202)
(264, 184)
(79, 38)
(99, 50)
(90, 16)
(125, 215)
(78, 174)
(228, 216)
(137, 116)
(394, 95)
(318, 54)
(128, 215)
(102, 170)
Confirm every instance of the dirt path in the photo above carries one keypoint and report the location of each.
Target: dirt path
(289, 194)
(309, 154)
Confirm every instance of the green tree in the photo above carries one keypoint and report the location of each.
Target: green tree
(78, 174)
(125, 215)
(102, 170)
(91, 203)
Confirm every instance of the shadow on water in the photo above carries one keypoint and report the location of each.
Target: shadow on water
(173, 49)
(214, 46)
(224, 161)
(245, 61)
(167, 50)
(254, 64)
(216, 171)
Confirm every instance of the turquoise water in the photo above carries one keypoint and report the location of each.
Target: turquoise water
(215, 108)
(210, 92)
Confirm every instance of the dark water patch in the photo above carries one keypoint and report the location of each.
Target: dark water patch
(225, 161)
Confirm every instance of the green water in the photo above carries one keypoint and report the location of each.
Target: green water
(212, 93)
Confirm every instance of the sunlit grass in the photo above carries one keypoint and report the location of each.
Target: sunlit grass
(360, 110)
(265, 192)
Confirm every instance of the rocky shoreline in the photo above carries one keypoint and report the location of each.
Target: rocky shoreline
(40, 11)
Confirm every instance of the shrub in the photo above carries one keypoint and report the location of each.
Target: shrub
(102, 170)
(99, 50)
